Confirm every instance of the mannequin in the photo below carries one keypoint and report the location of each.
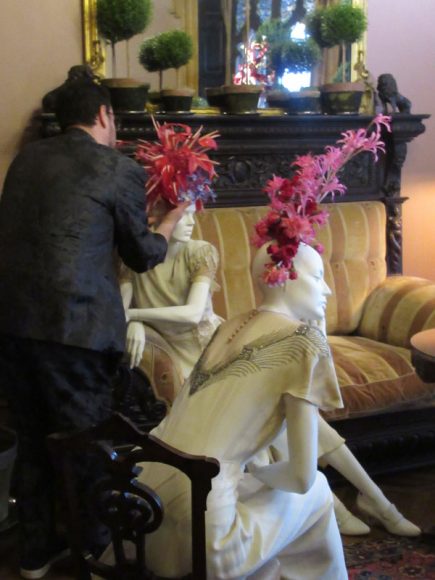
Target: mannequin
(187, 321)
(287, 517)
(175, 298)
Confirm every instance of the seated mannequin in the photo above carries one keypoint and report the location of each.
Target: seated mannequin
(234, 404)
(175, 299)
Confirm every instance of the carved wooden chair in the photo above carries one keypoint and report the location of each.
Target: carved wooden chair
(128, 508)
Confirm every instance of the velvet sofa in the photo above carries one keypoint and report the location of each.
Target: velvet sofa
(389, 413)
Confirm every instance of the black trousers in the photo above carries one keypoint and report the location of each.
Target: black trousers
(50, 387)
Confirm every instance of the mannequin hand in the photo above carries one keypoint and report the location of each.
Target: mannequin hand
(262, 458)
(135, 342)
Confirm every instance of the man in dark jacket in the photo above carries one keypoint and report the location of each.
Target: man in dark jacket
(68, 203)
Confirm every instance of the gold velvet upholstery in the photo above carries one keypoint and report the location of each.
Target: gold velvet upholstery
(370, 317)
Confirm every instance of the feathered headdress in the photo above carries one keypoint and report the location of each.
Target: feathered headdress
(177, 164)
(295, 202)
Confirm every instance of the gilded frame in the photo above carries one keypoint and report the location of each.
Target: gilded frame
(94, 53)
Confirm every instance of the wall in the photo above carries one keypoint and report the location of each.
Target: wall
(40, 41)
(401, 41)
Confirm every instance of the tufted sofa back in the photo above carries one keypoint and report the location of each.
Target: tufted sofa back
(354, 258)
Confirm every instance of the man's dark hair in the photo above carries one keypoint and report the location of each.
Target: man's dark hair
(78, 102)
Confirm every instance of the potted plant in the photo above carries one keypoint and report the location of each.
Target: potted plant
(117, 21)
(339, 25)
(171, 49)
(289, 55)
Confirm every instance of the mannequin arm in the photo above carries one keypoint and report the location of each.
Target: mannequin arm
(126, 295)
(189, 313)
(135, 343)
(298, 474)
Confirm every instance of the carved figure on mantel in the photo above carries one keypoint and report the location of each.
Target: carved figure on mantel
(390, 97)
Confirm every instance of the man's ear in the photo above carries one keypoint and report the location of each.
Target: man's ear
(103, 116)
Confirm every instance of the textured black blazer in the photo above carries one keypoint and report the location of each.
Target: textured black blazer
(67, 204)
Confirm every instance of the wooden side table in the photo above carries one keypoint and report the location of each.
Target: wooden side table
(423, 354)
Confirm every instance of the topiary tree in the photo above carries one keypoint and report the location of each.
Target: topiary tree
(300, 56)
(339, 24)
(119, 20)
(285, 53)
(148, 58)
(276, 32)
(171, 49)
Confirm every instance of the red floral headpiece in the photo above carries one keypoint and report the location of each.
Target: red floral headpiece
(178, 166)
(295, 202)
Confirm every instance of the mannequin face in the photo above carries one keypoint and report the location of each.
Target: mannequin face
(307, 295)
(184, 228)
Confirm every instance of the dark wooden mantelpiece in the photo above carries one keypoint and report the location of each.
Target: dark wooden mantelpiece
(252, 148)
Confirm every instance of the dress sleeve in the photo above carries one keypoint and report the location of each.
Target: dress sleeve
(312, 376)
(203, 262)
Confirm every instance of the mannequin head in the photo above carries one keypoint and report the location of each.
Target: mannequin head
(183, 230)
(302, 299)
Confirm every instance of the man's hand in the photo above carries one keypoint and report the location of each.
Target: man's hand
(135, 342)
(171, 218)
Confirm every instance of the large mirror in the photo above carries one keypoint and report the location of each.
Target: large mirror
(210, 23)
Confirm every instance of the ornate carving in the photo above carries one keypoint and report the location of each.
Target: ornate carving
(394, 235)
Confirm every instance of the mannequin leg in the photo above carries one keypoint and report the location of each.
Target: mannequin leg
(370, 501)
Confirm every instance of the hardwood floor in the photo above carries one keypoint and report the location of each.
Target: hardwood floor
(412, 492)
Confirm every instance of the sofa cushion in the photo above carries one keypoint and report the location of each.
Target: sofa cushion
(375, 377)
(397, 309)
(354, 258)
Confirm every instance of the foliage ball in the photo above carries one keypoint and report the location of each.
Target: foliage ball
(173, 49)
(121, 19)
(343, 23)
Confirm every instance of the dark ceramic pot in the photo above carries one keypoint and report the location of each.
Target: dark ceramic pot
(341, 98)
(277, 98)
(304, 103)
(127, 94)
(176, 100)
(241, 99)
(215, 97)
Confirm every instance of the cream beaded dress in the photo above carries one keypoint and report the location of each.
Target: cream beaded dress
(231, 408)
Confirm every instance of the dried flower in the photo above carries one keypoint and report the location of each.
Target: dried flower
(178, 166)
(295, 202)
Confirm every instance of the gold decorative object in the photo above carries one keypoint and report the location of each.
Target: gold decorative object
(93, 52)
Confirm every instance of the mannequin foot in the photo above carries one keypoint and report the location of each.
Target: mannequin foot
(348, 524)
(390, 518)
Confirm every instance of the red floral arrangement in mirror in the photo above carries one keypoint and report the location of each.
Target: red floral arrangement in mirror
(295, 202)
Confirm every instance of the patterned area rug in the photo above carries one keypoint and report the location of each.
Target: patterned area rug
(392, 559)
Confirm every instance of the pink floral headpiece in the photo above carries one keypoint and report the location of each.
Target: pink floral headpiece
(295, 202)
(178, 166)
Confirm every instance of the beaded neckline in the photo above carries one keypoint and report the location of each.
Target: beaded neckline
(252, 314)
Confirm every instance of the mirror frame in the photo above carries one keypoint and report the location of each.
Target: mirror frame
(94, 52)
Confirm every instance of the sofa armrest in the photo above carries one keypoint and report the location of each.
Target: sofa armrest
(397, 309)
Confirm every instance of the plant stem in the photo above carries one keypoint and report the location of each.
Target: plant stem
(113, 60)
(343, 62)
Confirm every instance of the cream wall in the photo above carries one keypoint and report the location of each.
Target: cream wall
(401, 41)
(41, 39)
